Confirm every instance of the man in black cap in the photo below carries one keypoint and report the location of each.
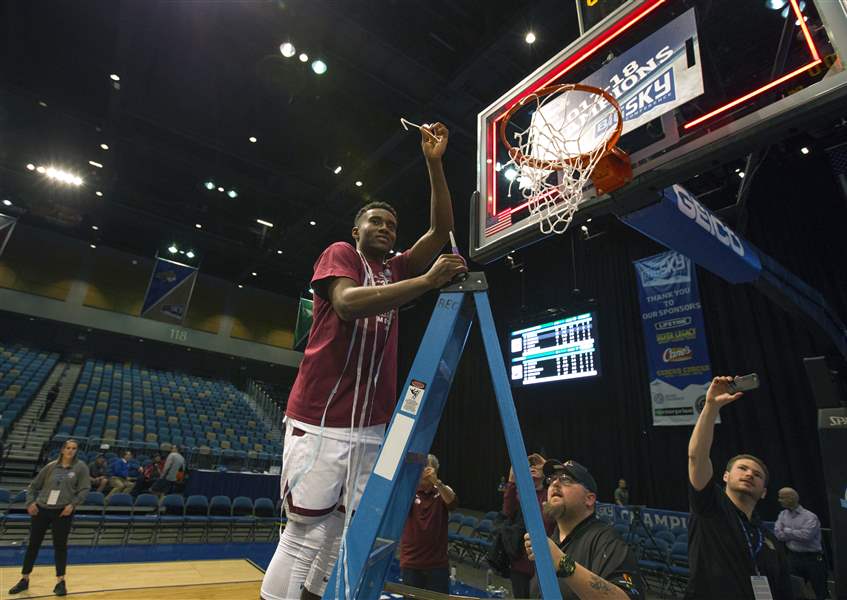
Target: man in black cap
(590, 558)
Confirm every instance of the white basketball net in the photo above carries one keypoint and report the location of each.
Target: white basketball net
(564, 125)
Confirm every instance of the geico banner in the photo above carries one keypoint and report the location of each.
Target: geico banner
(680, 222)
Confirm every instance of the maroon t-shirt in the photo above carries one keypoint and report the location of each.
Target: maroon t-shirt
(329, 342)
(424, 541)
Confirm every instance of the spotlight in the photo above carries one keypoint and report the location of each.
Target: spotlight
(41, 169)
(253, 139)
(279, 251)
(337, 170)
(42, 104)
(104, 146)
(265, 223)
(190, 254)
(303, 57)
(98, 193)
(359, 184)
(510, 174)
(804, 150)
(198, 226)
(95, 228)
(62, 176)
(94, 163)
(232, 194)
(287, 49)
(530, 38)
(776, 4)
(319, 67)
(220, 189)
(584, 228)
(312, 223)
(210, 185)
(254, 274)
(741, 174)
(115, 77)
(173, 249)
(30, 167)
(240, 286)
(93, 246)
(7, 202)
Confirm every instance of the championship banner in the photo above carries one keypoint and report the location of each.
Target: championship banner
(674, 337)
(658, 74)
(680, 222)
(169, 291)
(7, 225)
(304, 323)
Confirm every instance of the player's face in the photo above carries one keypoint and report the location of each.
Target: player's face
(746, 477)
(376, 231)
(564, 496)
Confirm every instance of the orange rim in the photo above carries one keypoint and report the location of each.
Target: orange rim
(549, 165)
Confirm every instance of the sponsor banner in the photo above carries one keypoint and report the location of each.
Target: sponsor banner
(653, 77)
(7, 225)
(680, 222)
(169, 291)
(304, 323)
(674, 337)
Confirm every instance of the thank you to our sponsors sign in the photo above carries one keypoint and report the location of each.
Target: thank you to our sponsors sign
(674, 337)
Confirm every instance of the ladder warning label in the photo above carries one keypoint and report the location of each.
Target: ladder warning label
(413, 397)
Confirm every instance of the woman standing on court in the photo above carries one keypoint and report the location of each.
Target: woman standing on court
(51, 499)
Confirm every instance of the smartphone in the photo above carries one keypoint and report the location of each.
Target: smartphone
(745, 383)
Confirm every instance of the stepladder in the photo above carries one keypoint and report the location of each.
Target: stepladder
(371, 540)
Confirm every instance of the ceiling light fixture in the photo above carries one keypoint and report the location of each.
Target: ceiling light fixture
(359, 184)
(530, 38)
(804, 150)
(115, 77)
(220, 189)
(198, 226)
(240, 286)
(190, 254)
(741, 174)
(94, 163)
(98, 193)
(30, 167)
(93, 246)
(232, 194)
(312, 223)
(303, 57)
(104, 146)
(173, 249)
(7, 202)
(95, 228)
(337, 170)
(287, 49)
(319, 67)
(253, 139)
(210, 185)
(41, 169)
(279, 251)
(62, 176)
(253, 273)
(265, 223)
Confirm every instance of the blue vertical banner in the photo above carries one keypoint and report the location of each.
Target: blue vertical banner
(7, 225)
(674, 337)
(169, 291)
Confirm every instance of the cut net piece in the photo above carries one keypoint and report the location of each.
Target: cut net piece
(570, 130)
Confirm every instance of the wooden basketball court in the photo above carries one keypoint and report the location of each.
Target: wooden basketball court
(179, 580)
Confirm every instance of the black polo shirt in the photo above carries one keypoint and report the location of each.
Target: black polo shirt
(719, 555)
(596, 546)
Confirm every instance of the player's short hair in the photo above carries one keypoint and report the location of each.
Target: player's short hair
(756, 460)
(370, 205)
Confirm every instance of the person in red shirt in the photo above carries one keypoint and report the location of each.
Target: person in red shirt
(521, 569)
(423, 546)
(346, 386)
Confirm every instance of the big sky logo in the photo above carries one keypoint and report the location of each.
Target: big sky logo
(664, 269)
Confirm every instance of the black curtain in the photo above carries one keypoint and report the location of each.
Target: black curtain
(605, 423)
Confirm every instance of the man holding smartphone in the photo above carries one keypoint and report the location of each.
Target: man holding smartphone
(730, 554)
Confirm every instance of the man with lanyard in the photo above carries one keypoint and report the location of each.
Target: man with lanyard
(590, 558)
(730, 553)
(345, 389)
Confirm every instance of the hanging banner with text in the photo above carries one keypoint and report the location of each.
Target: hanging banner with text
(169, 291)
(674, 337)
(7, 225)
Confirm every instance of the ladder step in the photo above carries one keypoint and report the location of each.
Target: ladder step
(381, 547)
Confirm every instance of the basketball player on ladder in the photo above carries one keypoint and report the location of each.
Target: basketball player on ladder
(345, 389)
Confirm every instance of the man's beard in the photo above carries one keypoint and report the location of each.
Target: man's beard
(554, 511)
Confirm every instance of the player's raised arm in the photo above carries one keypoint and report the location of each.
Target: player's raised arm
(423, 252)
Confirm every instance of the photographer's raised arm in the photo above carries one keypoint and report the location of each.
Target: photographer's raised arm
(700, 469)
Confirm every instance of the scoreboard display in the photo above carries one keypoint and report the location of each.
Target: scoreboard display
(555, 351)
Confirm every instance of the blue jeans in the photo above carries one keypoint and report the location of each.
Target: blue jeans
(436, 580)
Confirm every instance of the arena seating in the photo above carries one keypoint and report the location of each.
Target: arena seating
(129, 406)
(23, 371)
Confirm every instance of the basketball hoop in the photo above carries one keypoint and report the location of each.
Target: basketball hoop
(570, 139)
